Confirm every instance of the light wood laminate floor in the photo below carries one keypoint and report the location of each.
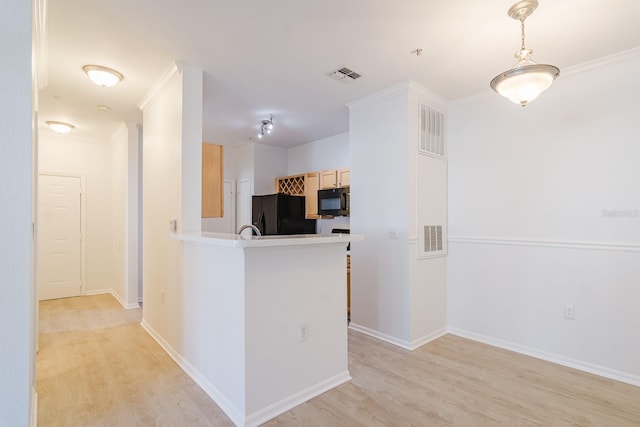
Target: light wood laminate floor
(98, 367)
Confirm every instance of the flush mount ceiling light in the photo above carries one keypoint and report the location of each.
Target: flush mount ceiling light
(60, 127)
(103, 76)
(266, 127)
(526, 79)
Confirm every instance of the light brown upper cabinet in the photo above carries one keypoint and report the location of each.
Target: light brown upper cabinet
(212, 181)
(344, 177)
(311, 187)
(334, 178)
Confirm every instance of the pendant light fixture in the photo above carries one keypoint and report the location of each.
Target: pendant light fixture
(103, 76)
(526, 79)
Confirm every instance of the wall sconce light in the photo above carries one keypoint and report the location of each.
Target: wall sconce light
(526, 79)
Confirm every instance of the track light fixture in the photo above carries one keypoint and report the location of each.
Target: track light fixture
(266, 127)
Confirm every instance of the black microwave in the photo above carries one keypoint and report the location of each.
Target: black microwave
(334, 202)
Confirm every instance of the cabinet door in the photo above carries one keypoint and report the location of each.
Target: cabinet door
(212, 181)
(344, 177)
(311, 186)
(328, 179)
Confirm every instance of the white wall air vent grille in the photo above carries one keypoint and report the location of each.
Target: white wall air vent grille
(433, 239)
(345, 75)
(431, 131)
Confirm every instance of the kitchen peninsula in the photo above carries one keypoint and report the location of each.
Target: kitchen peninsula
(264, 321)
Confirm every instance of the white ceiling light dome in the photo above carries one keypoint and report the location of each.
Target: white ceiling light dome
(60, 127)
(103, 76)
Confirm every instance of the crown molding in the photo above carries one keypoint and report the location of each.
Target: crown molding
(167, 77)
(402, 88)
(390, 92)
(573, 70)
(40, 45)
(615, 58)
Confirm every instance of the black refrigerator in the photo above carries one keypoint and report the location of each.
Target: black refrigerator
(281, 214)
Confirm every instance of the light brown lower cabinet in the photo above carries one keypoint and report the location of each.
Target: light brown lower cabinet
(212, 181)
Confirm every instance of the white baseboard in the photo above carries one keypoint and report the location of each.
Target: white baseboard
(278, 408)
(408, 345)
(116, 296)
(98, 292)
(236, 415)
(419, 342)
(221, 400)
(551, 357)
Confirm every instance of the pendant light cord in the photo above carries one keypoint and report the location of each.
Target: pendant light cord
(522, 29)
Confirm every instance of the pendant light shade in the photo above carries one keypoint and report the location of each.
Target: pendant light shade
(526, 80)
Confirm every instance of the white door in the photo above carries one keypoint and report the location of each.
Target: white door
(59, 236)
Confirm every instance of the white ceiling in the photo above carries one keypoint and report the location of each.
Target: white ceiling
(261, 58)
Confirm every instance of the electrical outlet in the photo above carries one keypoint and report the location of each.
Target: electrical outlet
(569, 312)
(303, 332)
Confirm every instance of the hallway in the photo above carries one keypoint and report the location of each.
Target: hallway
(98, 367)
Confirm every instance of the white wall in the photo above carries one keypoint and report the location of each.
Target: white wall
(162, 154)
(124, 146)
(379, 265)
(427, 189)
(394, 295)
(17, 312)
(269, 163)
(119, 152)
(530, 189)
(231, 159)
(322, 154)
(89, 158)
(172, 159)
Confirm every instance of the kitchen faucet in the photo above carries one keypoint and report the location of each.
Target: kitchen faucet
(251, 226)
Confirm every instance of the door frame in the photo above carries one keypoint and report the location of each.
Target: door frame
(234, 204)
(83, 227)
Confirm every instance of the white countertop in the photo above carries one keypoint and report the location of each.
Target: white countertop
(238, 241)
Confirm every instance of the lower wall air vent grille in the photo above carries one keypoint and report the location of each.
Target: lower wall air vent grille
(433, 239)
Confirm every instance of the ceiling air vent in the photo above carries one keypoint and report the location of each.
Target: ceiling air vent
(345, 75)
